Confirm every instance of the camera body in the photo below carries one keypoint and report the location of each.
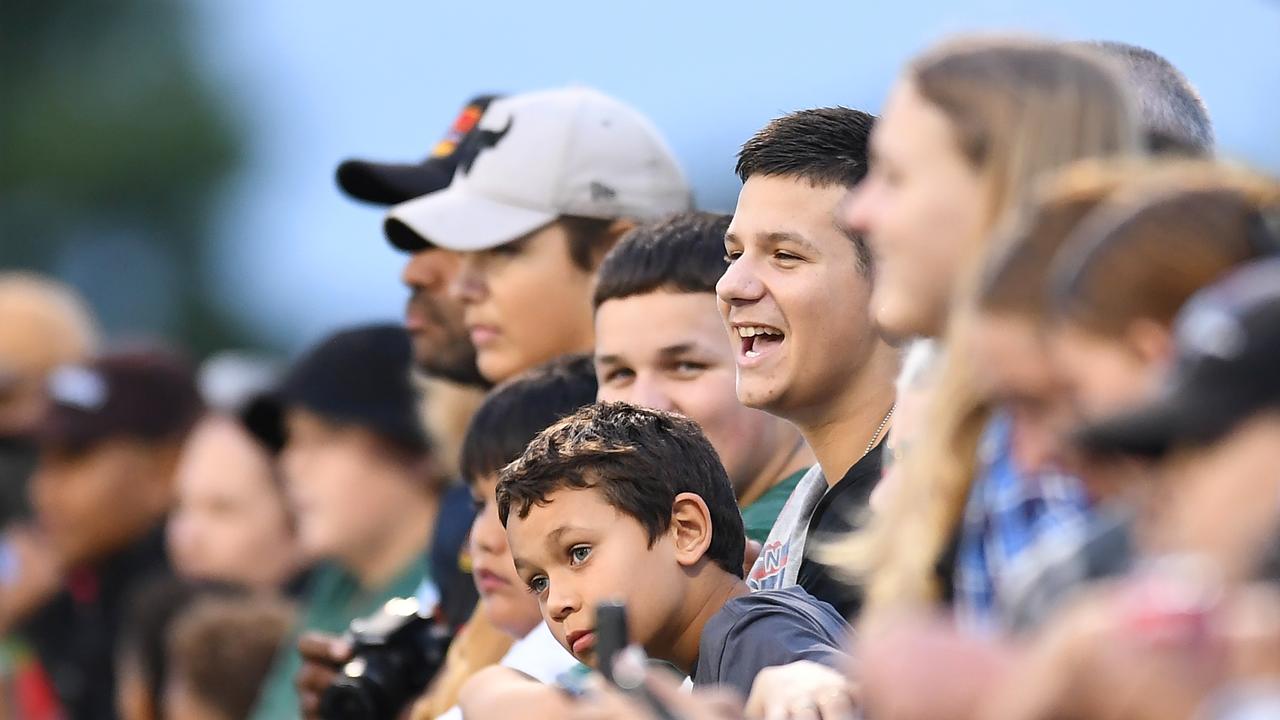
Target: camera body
(395, 653)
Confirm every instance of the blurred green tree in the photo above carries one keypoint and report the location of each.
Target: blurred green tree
(114, 146)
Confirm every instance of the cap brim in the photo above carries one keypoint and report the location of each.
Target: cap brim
(459, 219)
(1177, 419)
(393, 183)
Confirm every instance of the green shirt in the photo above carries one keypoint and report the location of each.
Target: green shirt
(758, 517)
(333, 599)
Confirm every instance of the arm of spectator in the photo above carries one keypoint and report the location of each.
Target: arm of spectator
(322, 657)
(922, 668)
(500, 693)
(802, 689)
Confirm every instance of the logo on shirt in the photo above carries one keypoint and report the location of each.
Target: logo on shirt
(766, 574)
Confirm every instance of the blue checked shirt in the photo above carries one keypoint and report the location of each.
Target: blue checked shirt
(1007, 514)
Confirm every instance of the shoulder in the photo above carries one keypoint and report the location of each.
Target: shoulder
(768, 616)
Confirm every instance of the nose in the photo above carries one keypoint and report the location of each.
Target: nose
(739, 284)
(487, 533)
(857, 210)
(562, 601)
(647, 392)
(468, 284)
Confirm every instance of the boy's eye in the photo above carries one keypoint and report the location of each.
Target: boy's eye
(785, 256)
(618, 375)
(578, 554)
(731, 255)
(538, 584)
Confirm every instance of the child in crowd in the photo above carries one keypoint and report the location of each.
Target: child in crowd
(619, 503)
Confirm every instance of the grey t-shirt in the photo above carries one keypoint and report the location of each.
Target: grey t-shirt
(764, 629)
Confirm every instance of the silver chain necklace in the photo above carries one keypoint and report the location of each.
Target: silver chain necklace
(876, 436)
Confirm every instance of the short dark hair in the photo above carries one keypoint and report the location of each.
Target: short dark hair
(516, 411)
(825, 146)
(683, 253)
(640, 459)
(1173, 115)
(589, 239)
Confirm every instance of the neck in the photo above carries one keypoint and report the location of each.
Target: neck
(791, 455)
(683, 653)
(404, 538)
(839, 434)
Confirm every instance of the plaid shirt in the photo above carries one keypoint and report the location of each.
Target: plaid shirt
(1007, 513)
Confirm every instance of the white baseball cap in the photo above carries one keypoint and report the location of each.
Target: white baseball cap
(541, 155)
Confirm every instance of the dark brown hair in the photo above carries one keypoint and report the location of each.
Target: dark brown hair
(639, 460)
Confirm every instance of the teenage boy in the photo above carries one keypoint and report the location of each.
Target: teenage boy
(109, 446)
(619, 503)
(795, 299)
(354, 465)
(556, 178)
(660, 344)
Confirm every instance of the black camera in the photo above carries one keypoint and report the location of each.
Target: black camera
(395, 653)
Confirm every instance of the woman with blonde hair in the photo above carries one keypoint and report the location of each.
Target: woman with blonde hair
(970, 127)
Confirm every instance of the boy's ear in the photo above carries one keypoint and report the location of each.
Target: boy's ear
(690, 528)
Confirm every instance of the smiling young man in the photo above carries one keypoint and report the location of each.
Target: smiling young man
(795, 299)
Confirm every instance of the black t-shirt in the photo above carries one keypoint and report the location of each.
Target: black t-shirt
(763, 629)
(841, 510)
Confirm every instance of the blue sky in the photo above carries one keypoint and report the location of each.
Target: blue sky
(316, 82)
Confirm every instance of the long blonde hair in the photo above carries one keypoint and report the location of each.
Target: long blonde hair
(1018, 108)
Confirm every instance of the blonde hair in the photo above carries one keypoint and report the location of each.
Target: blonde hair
(1018, 108)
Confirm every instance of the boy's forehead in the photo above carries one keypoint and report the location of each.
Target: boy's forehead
(775, 209)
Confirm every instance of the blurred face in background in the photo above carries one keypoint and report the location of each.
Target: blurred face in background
(345, 487)
(921, 208)
(793, 298)
(441, 346)
(668, 351)
(1016, 373)
(93, 501)
(524, 302)
(1105, 374)
(507, 601)
(231, 523)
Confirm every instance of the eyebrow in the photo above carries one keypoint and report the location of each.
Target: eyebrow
(677, 350)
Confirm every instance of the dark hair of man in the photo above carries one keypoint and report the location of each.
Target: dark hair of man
(639, 459)
(825, 146)
(1173, 115)
(517, 410)
(683, 254)
(589, 239)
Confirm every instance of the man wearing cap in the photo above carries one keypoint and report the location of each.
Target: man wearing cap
(356, 464)
(108, 448)
(552, 180)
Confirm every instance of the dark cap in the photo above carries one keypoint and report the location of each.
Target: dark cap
(361, 377)
(148, 396)
(393, 183)
(1227, 369)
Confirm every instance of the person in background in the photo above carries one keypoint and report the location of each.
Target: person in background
(109, 446)
(218, 651)
(510, 417)
(43, 324)
(355, 464)
(660, 343)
